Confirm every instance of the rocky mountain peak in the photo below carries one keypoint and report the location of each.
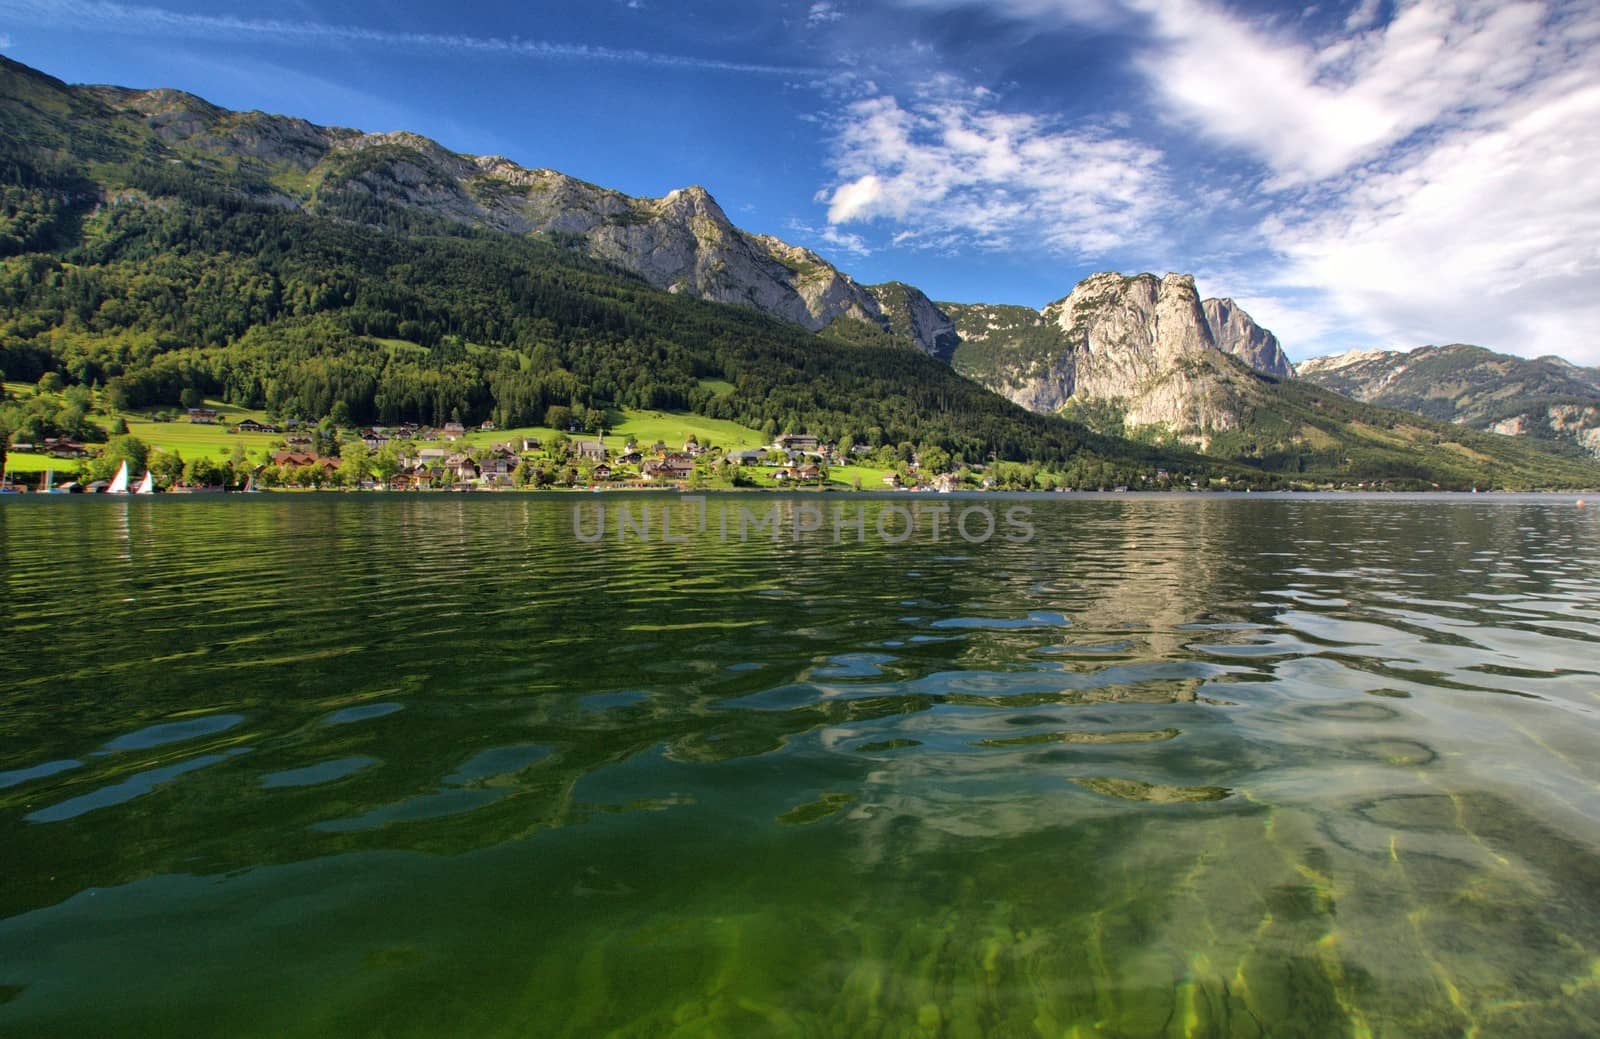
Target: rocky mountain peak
(1144, 345)
(695, 200)
(1236, 333)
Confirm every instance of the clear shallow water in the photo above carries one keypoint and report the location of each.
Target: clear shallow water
(435, 767)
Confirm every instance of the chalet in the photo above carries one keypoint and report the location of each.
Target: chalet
(631, 458)
(892, 480)
(487, 426)
(590, 450)
(754, 456)
(453, 431)
(250, 425)
(692, 448)
(463, 467)
(601, 472)
(531, 444)
(862, 449)
(300, 459)
(410, 478)
(432, 456)
(297, 441)
(498, 467)
(798, 474)
(62, 447)
(374, 440)
(673, 467)
(796, 442)
(203, 416)
(658, 448)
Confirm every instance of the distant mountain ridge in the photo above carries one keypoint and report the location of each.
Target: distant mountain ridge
(1546, 398)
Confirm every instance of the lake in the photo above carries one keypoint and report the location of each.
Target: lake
(473, 765)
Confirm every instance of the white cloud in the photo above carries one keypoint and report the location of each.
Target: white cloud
(1313, 112)
(1364, 14)
(130, 19)
(822, 12)
(950, 166)
(1490, 235)
(830, 239)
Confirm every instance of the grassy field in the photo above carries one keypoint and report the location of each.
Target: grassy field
(28, 464)
(194, 441)
(871, 478)
(671, 428)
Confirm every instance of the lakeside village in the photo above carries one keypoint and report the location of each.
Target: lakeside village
(415, 458)
(62, 439)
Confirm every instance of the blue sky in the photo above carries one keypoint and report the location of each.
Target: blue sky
(1359, 173)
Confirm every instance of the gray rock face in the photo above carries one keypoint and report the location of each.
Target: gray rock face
(1126, 332)
(906, 311)
(1235, 333)
(1146, 346)
(682, 242)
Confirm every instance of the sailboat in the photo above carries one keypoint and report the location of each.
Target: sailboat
(119, 482)
(146, 485)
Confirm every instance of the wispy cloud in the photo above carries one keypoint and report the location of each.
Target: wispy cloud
(830, 238)
(129, 19)
(947, 165)
(822, 12)
(1312, 112)
(5, 41)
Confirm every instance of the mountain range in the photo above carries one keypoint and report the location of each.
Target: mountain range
(1547, 398)
(483, 287)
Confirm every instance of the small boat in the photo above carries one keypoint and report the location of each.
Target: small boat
(146, 485)
(119, 482)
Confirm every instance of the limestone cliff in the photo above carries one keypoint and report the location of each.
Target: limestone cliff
(1148, 347)
(1235, 333)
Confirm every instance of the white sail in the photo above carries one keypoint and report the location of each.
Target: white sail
(147, 485)
(119, 483)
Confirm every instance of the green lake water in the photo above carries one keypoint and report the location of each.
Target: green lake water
(441, 766)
